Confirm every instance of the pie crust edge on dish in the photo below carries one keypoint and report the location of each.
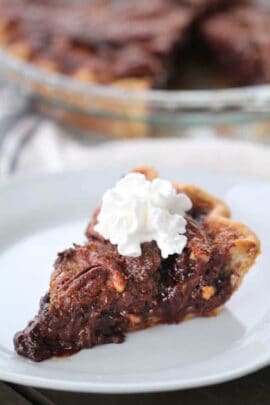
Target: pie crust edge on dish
(244, 245)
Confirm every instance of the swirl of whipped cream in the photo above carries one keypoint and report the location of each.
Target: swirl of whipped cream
(137, 210)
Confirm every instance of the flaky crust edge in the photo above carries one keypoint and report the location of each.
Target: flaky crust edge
(242, 242)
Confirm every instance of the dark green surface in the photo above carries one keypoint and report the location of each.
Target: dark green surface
(250, 390)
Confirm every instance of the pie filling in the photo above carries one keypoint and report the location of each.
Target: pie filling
(142, 45)
(96, 295)
(239, 41)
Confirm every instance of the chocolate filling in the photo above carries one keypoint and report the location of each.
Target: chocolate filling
(96, 296)
(105, 41)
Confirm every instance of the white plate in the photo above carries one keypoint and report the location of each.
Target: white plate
(42, 215)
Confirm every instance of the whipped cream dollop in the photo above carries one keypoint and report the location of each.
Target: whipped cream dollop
(138, 210)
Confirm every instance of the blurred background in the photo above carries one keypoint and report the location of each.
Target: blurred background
(78, 74)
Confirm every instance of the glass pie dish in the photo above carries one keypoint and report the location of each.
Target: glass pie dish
(129, 112)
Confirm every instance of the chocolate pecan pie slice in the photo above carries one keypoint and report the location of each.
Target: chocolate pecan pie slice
(97, 295)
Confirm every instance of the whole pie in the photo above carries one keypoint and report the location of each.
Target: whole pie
(131, 45)
(98, 294)
(136, 43)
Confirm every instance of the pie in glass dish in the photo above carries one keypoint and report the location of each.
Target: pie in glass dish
(135, 44)
(101, 290)
(127, 47)
(118, 42)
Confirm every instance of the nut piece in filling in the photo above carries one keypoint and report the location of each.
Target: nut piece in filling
(98, 294)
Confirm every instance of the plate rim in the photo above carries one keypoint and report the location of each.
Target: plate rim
(130, 388)
(118, 387)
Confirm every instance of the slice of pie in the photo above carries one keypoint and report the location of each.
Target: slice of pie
(97, 295)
